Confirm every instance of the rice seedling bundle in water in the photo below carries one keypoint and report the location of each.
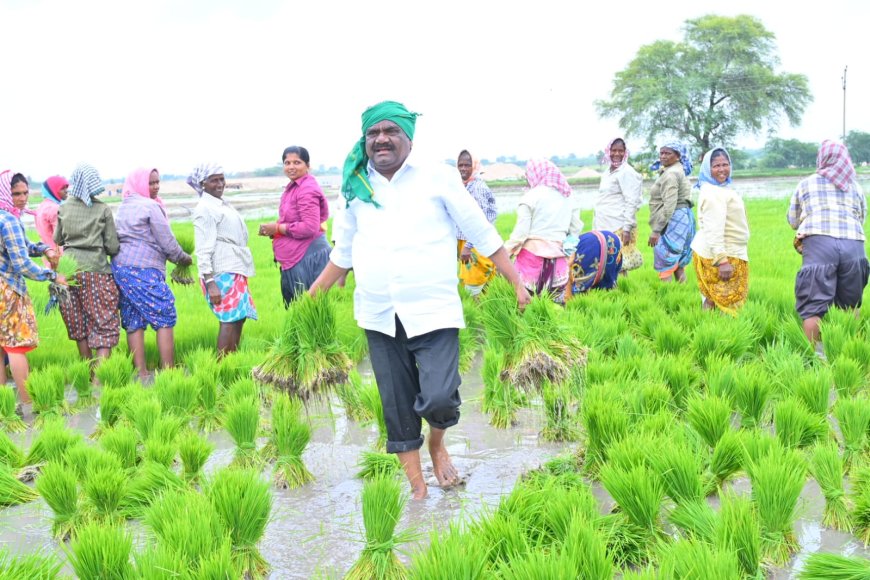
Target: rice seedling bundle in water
(382, 505)
(147, 484)
(680, 469)
(376, 464)
(469, 337)
(101, 551)
(290, 435)
(694, 560)
(194, 450)
(695, 519)
(668, 337)
(123, 442)
(142, 412)
(242, 422)
(80, 456)
(58, 487)
(752, 392)
(727, 459)
(116, 371)
(12, 491)
(777, 480)
(36, 565)
(9, 419)
(243, 501)
(632, 451)
(51, 442)
(241, 389)
(796, 426)
(205, 370)
(499, 399)
(160, 451)
(853, 417)
(562, 424)
(709, 416)
(849, 376)
(638, 492)
(157, 561)
(680, 376)
(738, 532)
(78, 375)
(814, 389)
(371, 400)
(861, 500)
(237, 365)
(349, 395)
(307, 359)
(820, 566)
(177, 392)
(450, 554)
(184, 274)
(10, 454)
(112, 403)
(857, 349)
(605, 421)
(826, 466)
(46, 387)
(652, 398)
(185, 522)
(721, 377)
(104, 490)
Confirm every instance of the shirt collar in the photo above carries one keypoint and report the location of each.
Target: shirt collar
(409, 164)
(212, 200)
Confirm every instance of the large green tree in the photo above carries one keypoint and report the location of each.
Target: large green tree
(718, 83)
(858, 143)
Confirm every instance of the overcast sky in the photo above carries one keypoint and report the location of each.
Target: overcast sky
(171, 83)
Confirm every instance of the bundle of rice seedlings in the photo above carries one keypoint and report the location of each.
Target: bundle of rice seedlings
(123, 442)
(370, 398)
(826, 466)
(194, 451)
(104, 489)
(376, 464)
(669, 338)
(638, 493)
(777, 480)
(558, 566)
(10, 454)
(585, 548)
(731, 338)
(58, 293)
(606, 422)
(37, 565)
(833, 338)
(242, 421)
(721, 377)
(243, 502)
(382, 506)
(848, 376)
(814, 389)
(764, 320)
(834, 567)
(143, 411)
(784, 365)
(450, 554)
(241, 389)
(680, 376)
(695, 519)
(349, 395)
(651, 398)
(185, 522)
(9, 419)
(680, 470)
(157, 561)
(12, 491)
(237, 365)
(856, 348)
(167, 428)
(78, 375)
(627, 545)
(499, 399)
(796, 426)
(46, 387)
(219, 564)
(561, 421)
(178, 393)
(737, 531)
(78, 458)
(205, 370)
(58, 487)
(290, 435)
(752, 392)
(112, 403)
(469, 337)
(350, 335)
(709, 416)
(853, 417)
(694, 560)
(503, 533)
(51, 442)
(101, 551)
(307, 359)
(632, 451)
(727, 459)
(184, 274)
(116, 371)
(149, 482)
(861, 503)
(157, 450)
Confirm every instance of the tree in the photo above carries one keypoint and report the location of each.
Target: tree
(858, 143)
(718, 83)
(780, 153)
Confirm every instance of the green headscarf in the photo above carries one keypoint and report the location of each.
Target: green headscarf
(355, 178)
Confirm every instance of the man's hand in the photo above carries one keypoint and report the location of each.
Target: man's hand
(726, 270)
(653, 239)
(214, 293)
(465, 255)
(523, 296)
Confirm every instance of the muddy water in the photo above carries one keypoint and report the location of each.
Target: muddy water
(316, 530)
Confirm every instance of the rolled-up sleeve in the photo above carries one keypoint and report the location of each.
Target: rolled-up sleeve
(794, 210)
(16, 246)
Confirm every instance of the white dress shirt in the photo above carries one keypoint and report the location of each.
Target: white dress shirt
(619, 198)
(403, 253)
(221, 239)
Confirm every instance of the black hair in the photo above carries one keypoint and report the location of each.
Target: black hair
(464, 152)
(618, 140)
(302, 152)
(18, 178)
(719, 152)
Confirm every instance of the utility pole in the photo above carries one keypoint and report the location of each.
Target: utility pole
(844, 101)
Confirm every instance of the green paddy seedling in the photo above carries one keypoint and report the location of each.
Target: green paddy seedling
(183, 274)
(116, 371)
(10, 454)
(45, 566)
(58, 487)
(123, 442)
(194, 450)
(826, 466)
(375, 464)
(101, 551)
(820, 566)
(78, 375)
(242, 422)
(147, 484)
(738, 532)
(853, 417)
(12, 491)
(349, 395)
(710, 417)
(290, 435)
(47, 387)
(9, 419)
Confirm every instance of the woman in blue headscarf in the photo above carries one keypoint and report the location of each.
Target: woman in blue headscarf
(720, 247)
(671, 220)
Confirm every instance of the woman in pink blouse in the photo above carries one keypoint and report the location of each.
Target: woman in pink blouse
(54, 190)
(298, 240)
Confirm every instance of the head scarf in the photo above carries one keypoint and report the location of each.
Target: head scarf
(680, 148)
(202, 172)
(354, 178)
(138, 183)
(476, 167)
(607, 161)
(6, 195)
(706, 174)
(52, 186)
(85, 183)
(545, 172)
(834, 164)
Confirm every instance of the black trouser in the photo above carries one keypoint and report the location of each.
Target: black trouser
(418, 378)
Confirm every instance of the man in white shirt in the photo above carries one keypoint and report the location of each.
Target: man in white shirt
(398, 234)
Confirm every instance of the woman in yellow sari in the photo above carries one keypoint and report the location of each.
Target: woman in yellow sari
(475, 269)
(720, 246)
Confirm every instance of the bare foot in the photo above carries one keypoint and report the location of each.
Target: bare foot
(445, 472)
(419, 492)
(410, 461)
